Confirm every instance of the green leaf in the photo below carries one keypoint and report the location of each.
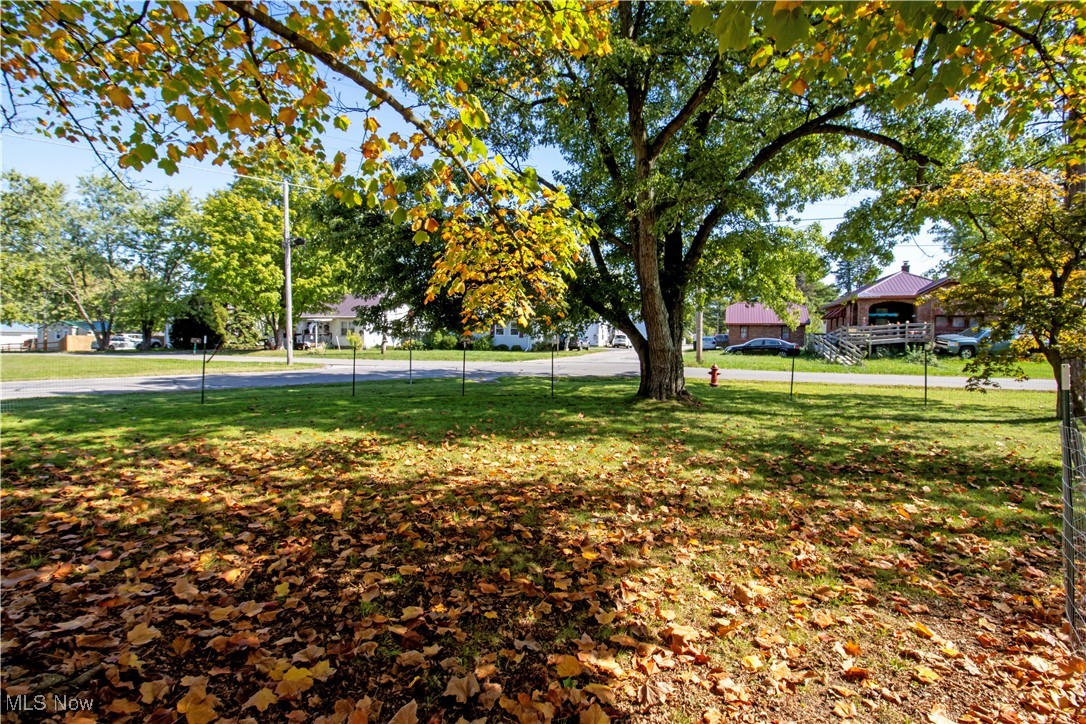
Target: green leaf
(733, 27)
(701, 17)
(341, 122)
(788, 28)
(420, 237)
(400, 216)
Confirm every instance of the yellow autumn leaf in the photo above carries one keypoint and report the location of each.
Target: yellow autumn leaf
(261, 699)
(569, 666)
(142, 634)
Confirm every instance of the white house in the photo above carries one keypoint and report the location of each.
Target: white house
(598, 334)
(54, 337)
(331, 326)
(14, 336)
(511, 335)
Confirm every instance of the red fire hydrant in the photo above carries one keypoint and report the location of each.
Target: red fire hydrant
(714, 372)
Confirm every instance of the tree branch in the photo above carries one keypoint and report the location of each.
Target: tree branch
(804, 129)
(656, 146)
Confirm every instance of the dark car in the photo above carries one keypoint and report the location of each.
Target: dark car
(721, 340)
(765, 345)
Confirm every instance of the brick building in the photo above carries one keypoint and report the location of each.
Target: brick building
(749, 320)
(894, 299)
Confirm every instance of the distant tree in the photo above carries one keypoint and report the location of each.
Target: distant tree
(160, 270)
(240, 261)
(34, 219)
(199, 317)
(386, 264)
(1017, 241)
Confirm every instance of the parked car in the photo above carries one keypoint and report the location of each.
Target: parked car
(967, 345)
(137, 339)
(721, 340)
(708, 343)
(117, 342)
(574, 342)
(765, 345)
(621, 340)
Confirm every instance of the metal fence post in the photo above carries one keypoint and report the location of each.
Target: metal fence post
(464, 372)
(1067, 429)
(203, 370)
(925, 374)
(792, 381)
(553, 348)
(354, 366)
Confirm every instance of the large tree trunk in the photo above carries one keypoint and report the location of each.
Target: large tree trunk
(661, 357)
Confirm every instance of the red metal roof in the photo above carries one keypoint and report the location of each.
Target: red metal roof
(899, 285)
(758, 313)
(937, 284)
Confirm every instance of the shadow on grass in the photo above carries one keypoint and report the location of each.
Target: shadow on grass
(515, 522)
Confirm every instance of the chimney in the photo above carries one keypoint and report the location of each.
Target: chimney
(905, 267)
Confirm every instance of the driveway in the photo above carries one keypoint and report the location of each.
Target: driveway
(606, 363)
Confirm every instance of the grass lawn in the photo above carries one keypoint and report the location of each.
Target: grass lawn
(937, 366)
(437, 355)
(507, 555)
(48, 366)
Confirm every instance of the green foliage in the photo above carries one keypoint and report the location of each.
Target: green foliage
(34, 219)
(484, 343)
(240, 262)
(200, 316)
(1018, 253)
(355, 341)
(438, 339)
(501, 348)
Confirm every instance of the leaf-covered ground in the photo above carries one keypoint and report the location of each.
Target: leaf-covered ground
(414, 555)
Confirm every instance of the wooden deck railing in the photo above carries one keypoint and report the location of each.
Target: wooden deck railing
(849, 345)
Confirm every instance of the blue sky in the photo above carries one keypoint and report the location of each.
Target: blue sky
(52, 161)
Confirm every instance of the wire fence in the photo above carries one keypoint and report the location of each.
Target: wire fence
(28, 378)
(1074, 521)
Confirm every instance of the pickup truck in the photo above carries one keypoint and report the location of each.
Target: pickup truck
(967, 345)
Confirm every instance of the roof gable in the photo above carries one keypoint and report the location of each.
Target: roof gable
(899, 284)
(345, 309)
(758, 313)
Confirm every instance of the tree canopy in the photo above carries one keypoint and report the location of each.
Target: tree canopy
(1019, 256)
(686, 126)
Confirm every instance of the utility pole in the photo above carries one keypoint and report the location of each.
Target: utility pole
(286, 274)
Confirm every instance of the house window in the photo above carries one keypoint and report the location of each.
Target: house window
(743, 332)
(940, 321)
(344, 328)
(495, 330)
(957, 322)
(785, 333)
(513, 328)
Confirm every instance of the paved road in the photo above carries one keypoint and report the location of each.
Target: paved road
(609, 363)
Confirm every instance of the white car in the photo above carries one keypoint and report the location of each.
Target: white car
(117, 342)
(621, 340)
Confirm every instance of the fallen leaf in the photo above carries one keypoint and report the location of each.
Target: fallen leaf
(594, 715)
(463, 688)
(261, 700)
(142, 634)
(569, 666)
(408, 714)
